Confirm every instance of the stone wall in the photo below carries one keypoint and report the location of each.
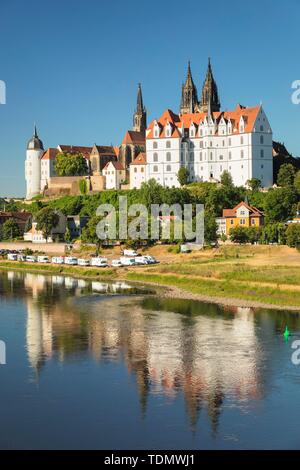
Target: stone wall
(49, 248)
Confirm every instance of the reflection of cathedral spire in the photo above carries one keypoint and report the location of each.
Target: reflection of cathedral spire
(215, 401)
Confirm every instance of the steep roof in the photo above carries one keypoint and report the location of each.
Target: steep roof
(185, 120)
(117, 165)
(134, 137)
(140, 159)
(106, 149)
(253, 211)
(85, 151)
(50, 154)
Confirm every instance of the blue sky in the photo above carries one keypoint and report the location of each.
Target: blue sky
(73, 67)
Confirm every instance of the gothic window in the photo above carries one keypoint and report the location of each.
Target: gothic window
(155, 145)
(168, 168)
(168, 156)
(168, 144)
(155, 157)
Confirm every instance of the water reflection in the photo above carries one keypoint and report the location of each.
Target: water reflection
(207, 354)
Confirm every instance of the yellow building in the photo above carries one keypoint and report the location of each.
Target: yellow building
(243, 214)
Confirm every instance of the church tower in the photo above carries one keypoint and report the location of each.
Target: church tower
(209, 93)
(34, 152)
(140, 115)
(189, 99)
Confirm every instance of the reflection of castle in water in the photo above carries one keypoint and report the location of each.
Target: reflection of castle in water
(207, 358)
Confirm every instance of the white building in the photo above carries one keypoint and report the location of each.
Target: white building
(207, 144)
(137, 172)
(114, 175)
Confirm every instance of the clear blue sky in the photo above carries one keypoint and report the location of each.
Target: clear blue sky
(73, 67)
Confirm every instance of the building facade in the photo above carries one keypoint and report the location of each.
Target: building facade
(137, 173)
(242, 215)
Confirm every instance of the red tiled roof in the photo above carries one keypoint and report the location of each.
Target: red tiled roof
(140, 159)
(85, 151)
(134, 137)
(50, 154)
(117, 165)
(253, 211)
(185, 120)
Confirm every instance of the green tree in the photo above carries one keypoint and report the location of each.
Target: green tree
(71, 164)
(286, 175)
(183, 176)
(89, 234)
(83, 187)
(226, 179)
(47, 219)
(254, 184)
(28, 225)
(10, 230)
(293, 235)
(297, 182)
(68, 237)
(280, 204)
(210, 227)
(239, 234)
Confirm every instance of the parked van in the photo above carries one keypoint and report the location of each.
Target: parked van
(21, 258)
(99, 262)
(150, 259)
(84, 262)
(43, 259)
(12, 257)
(131, 253)
(31, 259)
(141, 260)
(71, 260)
(58, 260)
(116, 263)
(127, 261)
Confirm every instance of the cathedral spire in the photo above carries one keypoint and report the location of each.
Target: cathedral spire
(140, 115)
(189, 97)
(209, 93)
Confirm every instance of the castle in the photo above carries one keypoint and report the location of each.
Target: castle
(201, 138)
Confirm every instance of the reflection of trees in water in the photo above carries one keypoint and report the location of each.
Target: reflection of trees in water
(171, 346)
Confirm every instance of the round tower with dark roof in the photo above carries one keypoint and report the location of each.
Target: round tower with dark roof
(34, 152)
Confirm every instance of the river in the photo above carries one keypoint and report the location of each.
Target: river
(91, 365)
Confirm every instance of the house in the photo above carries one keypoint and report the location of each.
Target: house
(137, 171)
(115, 174)
(57, 233)
(100, 156)
(20, 218)
(75, 224)
(242, 215)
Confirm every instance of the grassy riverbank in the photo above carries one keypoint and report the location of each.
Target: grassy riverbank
(251, 276)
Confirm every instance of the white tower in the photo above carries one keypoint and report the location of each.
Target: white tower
(34, 152)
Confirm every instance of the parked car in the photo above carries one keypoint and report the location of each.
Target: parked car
(71, 260)
(99, 262)
(116, 263)
(131, 253)
(58, 260)
(127, 261)
(12, 257)
(31, 259)
(141, 260)
(151, 259)
(84, 262)
(21, 258)
(43, 259)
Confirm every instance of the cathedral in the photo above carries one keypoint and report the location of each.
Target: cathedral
(209, 96)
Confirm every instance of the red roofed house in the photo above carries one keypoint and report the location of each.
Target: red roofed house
(115, 175)
(137, 171)
(243, 215)
(207, 141)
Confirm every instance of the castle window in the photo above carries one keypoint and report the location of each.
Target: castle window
(192, 133)
(168, 156)
(261, 128)
(262, 153)
(181, 156)
(200, 156)
(156, 133)
(210, 143)
(168, 144)
(192, 156)
(155, 169)
(223, 143)
(155, 145)
(261, 166)
(242, 140)
(142, 169)
(211, 156)
(221, 157)
(261, 139)
(221, 168)
(155, 157)
(168, 168)
(135, 169)
(201, 144)
(242, 153)
(201, 132)
(229, 156)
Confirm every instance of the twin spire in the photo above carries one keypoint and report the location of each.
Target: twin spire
(209, 101)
